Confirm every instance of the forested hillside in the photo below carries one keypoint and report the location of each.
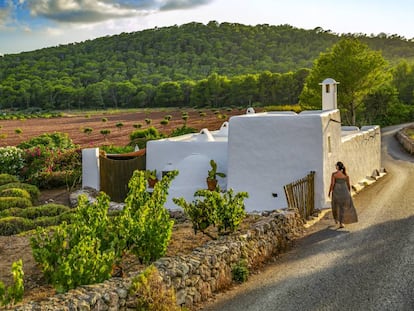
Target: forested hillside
(189, 65)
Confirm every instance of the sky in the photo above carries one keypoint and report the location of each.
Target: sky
(27, 25)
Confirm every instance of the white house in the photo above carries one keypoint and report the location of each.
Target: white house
(269, 150)
(262, 152)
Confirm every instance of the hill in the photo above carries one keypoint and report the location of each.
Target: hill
(124, 70)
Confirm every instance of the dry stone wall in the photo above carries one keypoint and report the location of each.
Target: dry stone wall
(195, 277)
(405, 141)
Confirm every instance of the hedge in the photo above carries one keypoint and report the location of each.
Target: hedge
(7, 178)
(9, 202)
(14, 225)
(32, 189)
(33, 212)
(16, 193)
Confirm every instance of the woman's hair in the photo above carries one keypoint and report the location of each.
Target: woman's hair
(341, 167)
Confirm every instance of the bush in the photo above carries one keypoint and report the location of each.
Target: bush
(50, 180)
(14, 225)
(140, 137)
(53, 141)
(85, 251)
(67, 217)
(151, 293)
(50, 168)
(13, 293)
(11, 160)
(45, 221)
(82, 253)
(7, 178)
(16, 193)
(32, 189)
(182, 131)
(117, 149)
(240, 271)
(9, 202)
(145, 224)
(36, 211)
(225, 211)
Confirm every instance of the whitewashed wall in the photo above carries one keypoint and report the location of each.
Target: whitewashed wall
(270, 150)
(90, 168)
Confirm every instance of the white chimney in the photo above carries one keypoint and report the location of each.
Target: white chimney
(329, 94)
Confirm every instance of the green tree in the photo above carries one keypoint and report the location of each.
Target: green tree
(403, 80)
(359, 70)
(169, 94)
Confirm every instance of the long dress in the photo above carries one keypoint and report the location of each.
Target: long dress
(343, 209)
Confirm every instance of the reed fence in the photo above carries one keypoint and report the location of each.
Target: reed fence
(300, 195)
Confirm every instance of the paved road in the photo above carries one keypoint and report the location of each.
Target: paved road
(366, 266)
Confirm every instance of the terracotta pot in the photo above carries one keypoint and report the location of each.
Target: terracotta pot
(152, 182)
(211, 184)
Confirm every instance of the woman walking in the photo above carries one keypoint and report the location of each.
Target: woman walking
(343, 209)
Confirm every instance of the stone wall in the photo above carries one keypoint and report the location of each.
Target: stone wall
(361, 153)
(405, 141)
(196, 276)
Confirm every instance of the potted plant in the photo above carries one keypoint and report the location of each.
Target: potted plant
(212, 176)
(151, 176)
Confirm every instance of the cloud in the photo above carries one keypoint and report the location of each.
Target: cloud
(5, 11)
(79, 11)
(92, 11)
(182, 4)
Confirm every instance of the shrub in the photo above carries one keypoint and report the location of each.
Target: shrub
(49, 168)
(240, 271)
(45, 221)
(145, 223)
(11, 160)
(32, 189)
(15, 192)
(14, 225)
(117, 149)
(82, 253)
(85, 251)
(140, 137)
(87, 130)
(67, 216)
(53, 141)
(13, 293)
(9, 202)
(137, 125)
(225, 211)
(151, 293)
(7, 178)
(105, 132)
(50, 180)
(182, 131)
(36, 211)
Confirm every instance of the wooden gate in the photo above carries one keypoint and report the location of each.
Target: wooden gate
(300, 195)
(115, 174)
